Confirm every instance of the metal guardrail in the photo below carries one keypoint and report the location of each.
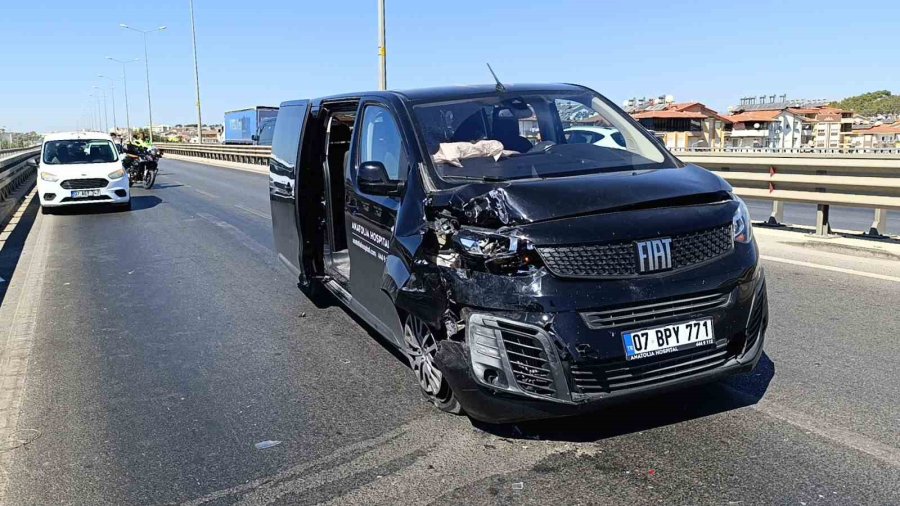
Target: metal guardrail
(9, 151)
(868, 180)
(852, 151)
(254, 155)
(14, 171)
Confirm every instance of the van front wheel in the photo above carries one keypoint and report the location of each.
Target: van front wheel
(420, 347)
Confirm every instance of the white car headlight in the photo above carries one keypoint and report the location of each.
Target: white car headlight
(47, 176)
(116, 174)
(740, 223)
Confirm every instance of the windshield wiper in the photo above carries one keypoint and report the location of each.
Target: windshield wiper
(486, 179)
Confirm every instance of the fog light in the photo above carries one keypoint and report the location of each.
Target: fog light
(49, 196)
(121, 193)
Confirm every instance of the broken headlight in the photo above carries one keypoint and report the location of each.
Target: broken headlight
(483, 249)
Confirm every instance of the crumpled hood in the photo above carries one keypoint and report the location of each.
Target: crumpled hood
(516, 203)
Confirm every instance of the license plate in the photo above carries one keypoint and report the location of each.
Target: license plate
(667, 339)
(85, 193)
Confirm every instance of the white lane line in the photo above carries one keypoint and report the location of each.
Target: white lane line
(887, 454)
(253, 212)
(801, 263)
(238, 235)
(210, 195)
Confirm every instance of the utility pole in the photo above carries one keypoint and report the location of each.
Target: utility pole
(382, 49)
(105, 112)
(125, 83)
(147, 68)
(112, 90)
(196, 77)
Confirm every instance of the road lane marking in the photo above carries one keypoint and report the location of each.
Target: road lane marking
(801, 263)
(253, 212)
(887, 454)
(16, 345)
(238, 235)
(210, 195)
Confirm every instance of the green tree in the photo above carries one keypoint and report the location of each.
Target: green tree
(872, 103)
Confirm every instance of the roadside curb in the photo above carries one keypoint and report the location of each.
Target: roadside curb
(844, 243)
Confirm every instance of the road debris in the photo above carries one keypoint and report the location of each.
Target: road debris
(262, 445)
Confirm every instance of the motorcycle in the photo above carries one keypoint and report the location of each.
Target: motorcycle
(142, 167)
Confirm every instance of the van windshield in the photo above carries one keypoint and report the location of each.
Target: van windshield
(79, 151)
(533, 135)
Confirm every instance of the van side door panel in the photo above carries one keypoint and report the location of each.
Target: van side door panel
(284, 186)
(371, 219)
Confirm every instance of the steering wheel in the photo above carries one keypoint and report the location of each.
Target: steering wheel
(542, 146)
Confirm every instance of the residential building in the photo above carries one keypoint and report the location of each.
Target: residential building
(876, 137)
(775, 122)
(683, 125)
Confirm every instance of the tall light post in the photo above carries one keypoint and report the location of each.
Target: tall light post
(125, 84)
(112, 91)
(147, 68)
(196, 77)
(99, 112)
(105, 111)
(382, 48)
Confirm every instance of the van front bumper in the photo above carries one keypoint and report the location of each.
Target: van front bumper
(584, 369)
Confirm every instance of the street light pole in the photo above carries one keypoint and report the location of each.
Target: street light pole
(196, 77)
(147, 68)
(112, 90)
(382, 49)
(105, 113)
(125, 84)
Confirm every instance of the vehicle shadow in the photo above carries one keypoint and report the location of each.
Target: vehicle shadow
(138, 203)
(163, 186)
(647, 413)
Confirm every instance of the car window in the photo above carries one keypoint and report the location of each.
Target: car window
(286, 137)
(79, 151)
(380, 141)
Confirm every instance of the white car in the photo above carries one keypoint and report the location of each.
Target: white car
(81, 168)
(599, 136)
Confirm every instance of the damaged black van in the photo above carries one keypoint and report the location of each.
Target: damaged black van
(526, 269)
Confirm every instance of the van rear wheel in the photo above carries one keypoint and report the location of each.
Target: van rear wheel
(420, 347)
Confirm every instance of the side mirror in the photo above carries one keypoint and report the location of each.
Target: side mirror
(373, 179)
(32, 163)
(254, 138)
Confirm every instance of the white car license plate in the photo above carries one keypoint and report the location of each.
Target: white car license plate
(667, 339)
(85, 193)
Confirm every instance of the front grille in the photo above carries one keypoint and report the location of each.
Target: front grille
(755, 322)
(622, 374)
(527, 359)
(86, 199)
(664, 308)
(84, 184)
(619, 259)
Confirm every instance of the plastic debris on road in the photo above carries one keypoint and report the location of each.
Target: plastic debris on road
(262, 445)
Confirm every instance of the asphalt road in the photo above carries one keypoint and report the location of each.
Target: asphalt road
(165, 342)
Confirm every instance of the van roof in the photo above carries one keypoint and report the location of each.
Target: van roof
(69, 136)
(457, 92)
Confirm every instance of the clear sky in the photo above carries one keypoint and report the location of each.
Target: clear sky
(264, 52)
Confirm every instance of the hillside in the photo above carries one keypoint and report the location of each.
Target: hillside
(872, 103)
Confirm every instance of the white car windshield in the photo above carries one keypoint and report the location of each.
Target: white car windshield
(79, 151)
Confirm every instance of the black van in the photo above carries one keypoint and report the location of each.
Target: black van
(525, 272)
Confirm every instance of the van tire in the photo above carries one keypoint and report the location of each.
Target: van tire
(420, 347)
